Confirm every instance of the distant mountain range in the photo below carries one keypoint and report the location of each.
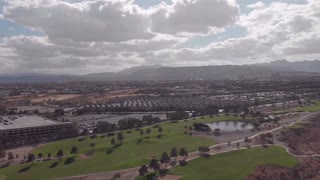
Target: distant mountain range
(157, 72)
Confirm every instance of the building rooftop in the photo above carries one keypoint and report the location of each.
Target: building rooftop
(18, 121)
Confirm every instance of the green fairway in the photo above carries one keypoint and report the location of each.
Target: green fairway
(312, 108)
(234, 165)
(130, 154)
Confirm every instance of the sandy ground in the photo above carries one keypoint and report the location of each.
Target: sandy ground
(56, 97)
(22, 152)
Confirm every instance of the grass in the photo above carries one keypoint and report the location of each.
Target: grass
(311, 108)
(298, 125)
(130, 154)
(234, 165)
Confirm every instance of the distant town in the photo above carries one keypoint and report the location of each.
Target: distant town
(44, 121)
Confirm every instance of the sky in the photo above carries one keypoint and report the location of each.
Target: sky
(90, 36)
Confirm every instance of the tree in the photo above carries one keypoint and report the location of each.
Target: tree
(92, 145)
(120, 136)
(74, 150)
(183, 152)
(31, 157)
(143, 170)
(203, 149)
(141, 132)
(165, 158)
(148, 132)
(10, 156)
(154, 164)
(60, 153)
(174, 153)
(40, 155)
(2, 153)
(113, 141)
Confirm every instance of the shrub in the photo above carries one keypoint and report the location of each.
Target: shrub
(102, 136)
(81, 139)
(183, 163)
(93, 136)
(129, 132)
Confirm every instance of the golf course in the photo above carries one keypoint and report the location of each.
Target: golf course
(136, 150)
(235, 165)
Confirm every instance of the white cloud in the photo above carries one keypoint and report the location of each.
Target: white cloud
(101, 20)
(108, 35)
(194, 16)
(256, 5)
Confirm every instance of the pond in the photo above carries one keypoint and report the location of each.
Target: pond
(230, 125)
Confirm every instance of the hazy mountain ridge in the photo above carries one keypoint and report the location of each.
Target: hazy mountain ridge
(156, 72)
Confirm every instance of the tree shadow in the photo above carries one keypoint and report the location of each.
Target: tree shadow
(69, 160)
(53, 165)
(25, 169)
(139, 141)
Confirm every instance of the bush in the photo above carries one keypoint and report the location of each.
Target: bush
(183, 163)
(155, 126)
(138, 129)
(93, 136)
(129, 132)
(159, 136)
(174, 121)
(81, 139)
(173, 163)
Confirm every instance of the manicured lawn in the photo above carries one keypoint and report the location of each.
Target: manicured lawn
(234, 165)
(312, 108)
(130, 154)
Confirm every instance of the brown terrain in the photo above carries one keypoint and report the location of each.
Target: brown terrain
(301, 141)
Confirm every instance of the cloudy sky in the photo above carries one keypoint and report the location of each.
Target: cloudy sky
(88, 36)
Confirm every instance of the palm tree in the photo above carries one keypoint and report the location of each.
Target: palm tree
(148, 132)
(174, 153)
